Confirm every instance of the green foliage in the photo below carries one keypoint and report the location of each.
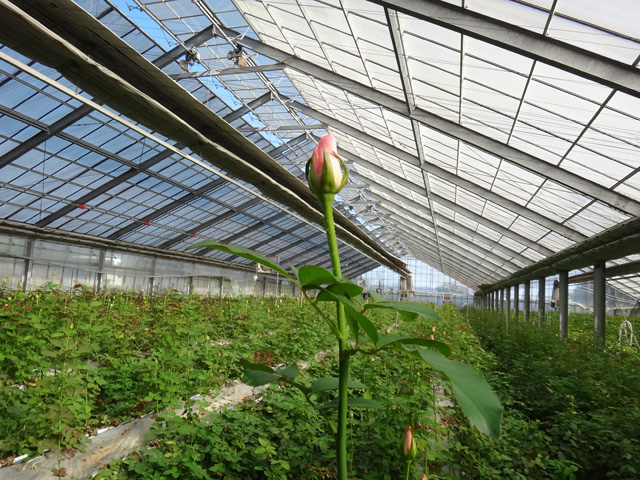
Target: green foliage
(586, 403)
(475, 396)
(574, 416)
(75, 362)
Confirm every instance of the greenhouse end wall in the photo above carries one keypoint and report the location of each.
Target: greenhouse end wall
(29, 263)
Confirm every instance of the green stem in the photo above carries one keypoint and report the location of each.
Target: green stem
(343, 373)
(406, 475)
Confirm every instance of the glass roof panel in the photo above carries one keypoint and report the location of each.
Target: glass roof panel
(591, 38)
(562, 119)
(511, 12)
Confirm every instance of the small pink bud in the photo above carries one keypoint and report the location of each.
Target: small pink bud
(424, 477)
(408, 439)
(409, 445)
(432, 337)
(433, 329)
(324, 168)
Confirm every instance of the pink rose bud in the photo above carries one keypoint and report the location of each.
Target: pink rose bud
(432, 337)
(409, 447)
(424, 477)
(324, 168)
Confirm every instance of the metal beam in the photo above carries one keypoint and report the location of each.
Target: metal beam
(564, 56)
(507, 316)
(84, 110)
(273, 153)
(152, 161)
(405, 77)
(599, 304)
(472, 233)
(564, 303)
(542, 302)
(450, 229)
(630, 268)
(445, 126)
(43, 135)
(440, 172)
(417, 238)
(616, 242)
(252, 105)
(228, 71)
(449, 204)
(167, 208)
(527, 300)
(176, 52)
(105, 187)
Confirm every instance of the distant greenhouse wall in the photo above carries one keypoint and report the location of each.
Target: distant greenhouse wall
(429, 285)
(30, 263)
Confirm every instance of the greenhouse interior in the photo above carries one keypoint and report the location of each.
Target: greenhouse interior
(314, 239)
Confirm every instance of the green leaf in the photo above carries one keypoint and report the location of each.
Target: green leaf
(353, 326)
(366, 325)
(243, 252)
(291, 371)
(474, 395)
(314, 276)
(256, 374)
(352, 403)
(295, 272)
(331, 383)
(346, 287)
(256, 378)
(245, 364)
(391, 340)
(376, 297)
(327, 294)
(407, 308)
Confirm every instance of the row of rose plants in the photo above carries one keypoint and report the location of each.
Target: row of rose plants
(277, 435)
(75, 362)
(147, 353)
(585, 401)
